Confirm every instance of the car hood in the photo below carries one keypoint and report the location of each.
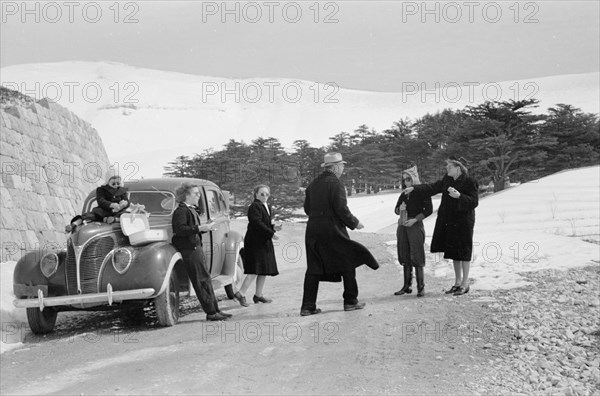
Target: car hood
(85, 232)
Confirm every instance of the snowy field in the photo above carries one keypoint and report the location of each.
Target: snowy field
(553, 222)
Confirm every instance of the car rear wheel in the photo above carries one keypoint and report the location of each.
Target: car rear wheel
(167, 304)
(41, 322)
(237, 277)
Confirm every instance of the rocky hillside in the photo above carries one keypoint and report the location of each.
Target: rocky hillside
(9, 98)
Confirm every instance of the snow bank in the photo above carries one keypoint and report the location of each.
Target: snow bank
(13, 321)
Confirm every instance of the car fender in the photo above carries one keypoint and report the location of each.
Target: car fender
(27, 272)
(174, 259)
(151, 267)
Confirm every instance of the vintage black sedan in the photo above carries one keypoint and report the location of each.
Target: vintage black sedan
(127, 262)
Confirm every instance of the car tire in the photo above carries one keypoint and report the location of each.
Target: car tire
(237, 277)
(41, 322)
(167, 304)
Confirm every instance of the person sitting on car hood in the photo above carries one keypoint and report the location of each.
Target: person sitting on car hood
(112, 200)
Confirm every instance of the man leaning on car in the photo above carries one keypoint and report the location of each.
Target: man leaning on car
(186, 238)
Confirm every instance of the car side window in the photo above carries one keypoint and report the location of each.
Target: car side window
(213, 203)
(201, 208)
(222, 203)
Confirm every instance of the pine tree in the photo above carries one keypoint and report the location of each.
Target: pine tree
(577, 136)
(178, 168)
(502, 139)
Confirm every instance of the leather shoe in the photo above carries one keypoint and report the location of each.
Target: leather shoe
(452, 289)
(404, 290)
(354, 307)
(227, 315)
(308, 312)
(261, 299)
(421, 293)
(461, 291)
(216, 316)
(241, 299)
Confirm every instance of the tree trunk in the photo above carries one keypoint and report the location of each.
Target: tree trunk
(498, 184)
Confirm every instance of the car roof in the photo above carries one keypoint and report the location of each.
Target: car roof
(162, 184)
(165, 183)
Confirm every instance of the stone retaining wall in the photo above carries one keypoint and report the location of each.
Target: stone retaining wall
(50, 160)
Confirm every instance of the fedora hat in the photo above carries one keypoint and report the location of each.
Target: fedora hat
(332, 158)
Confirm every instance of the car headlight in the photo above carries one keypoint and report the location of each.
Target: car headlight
(49, 264)
(121, 260)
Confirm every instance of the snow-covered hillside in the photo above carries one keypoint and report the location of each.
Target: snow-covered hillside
(149, 117)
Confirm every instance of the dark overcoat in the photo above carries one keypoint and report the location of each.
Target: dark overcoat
(453, 232)
(259, 254)
(106, 195)
(329, 250)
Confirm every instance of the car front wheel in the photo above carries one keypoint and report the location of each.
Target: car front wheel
(41, 322)
(167, 304)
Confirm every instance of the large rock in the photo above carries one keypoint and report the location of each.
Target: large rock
(50, 160)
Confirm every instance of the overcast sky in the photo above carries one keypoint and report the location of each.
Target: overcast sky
(374, 45)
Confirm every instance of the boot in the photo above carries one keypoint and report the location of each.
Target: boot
(420, 272)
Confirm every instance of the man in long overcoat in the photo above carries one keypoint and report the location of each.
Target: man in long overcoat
(330, 253)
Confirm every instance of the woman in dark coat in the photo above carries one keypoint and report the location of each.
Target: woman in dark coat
(412, 208)
(259, 254)
(330, 253)
(453, 232)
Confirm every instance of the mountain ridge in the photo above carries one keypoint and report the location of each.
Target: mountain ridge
(164, 114)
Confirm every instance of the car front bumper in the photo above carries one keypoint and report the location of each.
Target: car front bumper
(109, 297)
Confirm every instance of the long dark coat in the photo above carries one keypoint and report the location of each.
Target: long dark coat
(453, 232)
(329, 250)
(259, 254)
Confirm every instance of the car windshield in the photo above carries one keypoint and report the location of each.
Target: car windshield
(157, 203)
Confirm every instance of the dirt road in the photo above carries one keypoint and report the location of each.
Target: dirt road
(396, 345)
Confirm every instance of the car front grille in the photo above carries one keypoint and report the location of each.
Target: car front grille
(90, 262)
(71, 270)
